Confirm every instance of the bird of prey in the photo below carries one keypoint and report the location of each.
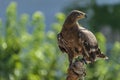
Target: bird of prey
(76, 40)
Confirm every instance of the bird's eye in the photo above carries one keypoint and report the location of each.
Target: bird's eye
(77, 14)
(80, 14)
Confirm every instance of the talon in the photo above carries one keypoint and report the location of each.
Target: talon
(84, 61)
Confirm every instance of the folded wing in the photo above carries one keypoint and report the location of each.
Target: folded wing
(91, 50)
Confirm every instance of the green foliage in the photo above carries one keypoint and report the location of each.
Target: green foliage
(29, 55)
(102, 41)
(34, 55)
(110, 15)
(60, 17)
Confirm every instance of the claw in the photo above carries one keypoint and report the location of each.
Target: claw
(83, 60)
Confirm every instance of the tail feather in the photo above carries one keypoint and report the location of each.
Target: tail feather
(102, 56)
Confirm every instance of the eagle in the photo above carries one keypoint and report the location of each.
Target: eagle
(78, 41)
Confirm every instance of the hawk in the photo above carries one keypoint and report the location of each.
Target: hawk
(76, 40)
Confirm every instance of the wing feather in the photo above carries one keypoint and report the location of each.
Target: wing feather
(90, 45)
(61, 43)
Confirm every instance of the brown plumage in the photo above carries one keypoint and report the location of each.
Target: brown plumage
(78, 41)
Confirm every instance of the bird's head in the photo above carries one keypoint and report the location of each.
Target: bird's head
(74, 16)
(77, 15)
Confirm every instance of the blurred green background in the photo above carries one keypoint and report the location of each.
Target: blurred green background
(29, 52)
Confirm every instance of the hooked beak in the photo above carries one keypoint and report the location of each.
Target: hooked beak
(85, 16)
(82, 16)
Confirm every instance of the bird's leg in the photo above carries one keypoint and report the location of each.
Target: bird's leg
(70, 57)
(84, 59)
(88, 58)
(92, 57)
(70, 61)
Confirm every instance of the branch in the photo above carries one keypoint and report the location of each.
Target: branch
(76, 71)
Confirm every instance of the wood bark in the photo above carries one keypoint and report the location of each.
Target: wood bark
(76, 71)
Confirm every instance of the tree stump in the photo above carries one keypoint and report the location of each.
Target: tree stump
(76, 71)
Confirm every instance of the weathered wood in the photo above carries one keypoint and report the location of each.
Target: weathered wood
(76, 71)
